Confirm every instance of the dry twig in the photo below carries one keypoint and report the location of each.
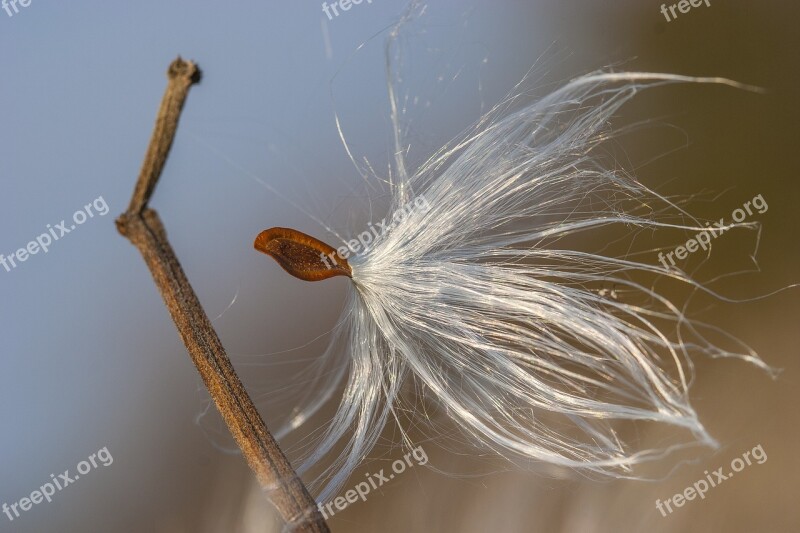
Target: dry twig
(142, 226)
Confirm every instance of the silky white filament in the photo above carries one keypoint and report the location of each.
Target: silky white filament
(486, 303)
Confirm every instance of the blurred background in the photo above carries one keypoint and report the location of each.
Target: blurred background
(91, 359)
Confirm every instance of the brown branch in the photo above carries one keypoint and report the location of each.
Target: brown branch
(142, 226)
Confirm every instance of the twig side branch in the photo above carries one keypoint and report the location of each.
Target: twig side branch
(142, 226)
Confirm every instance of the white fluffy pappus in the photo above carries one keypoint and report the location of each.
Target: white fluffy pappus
(479, 303)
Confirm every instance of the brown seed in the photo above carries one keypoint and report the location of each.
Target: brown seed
(302, 255)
